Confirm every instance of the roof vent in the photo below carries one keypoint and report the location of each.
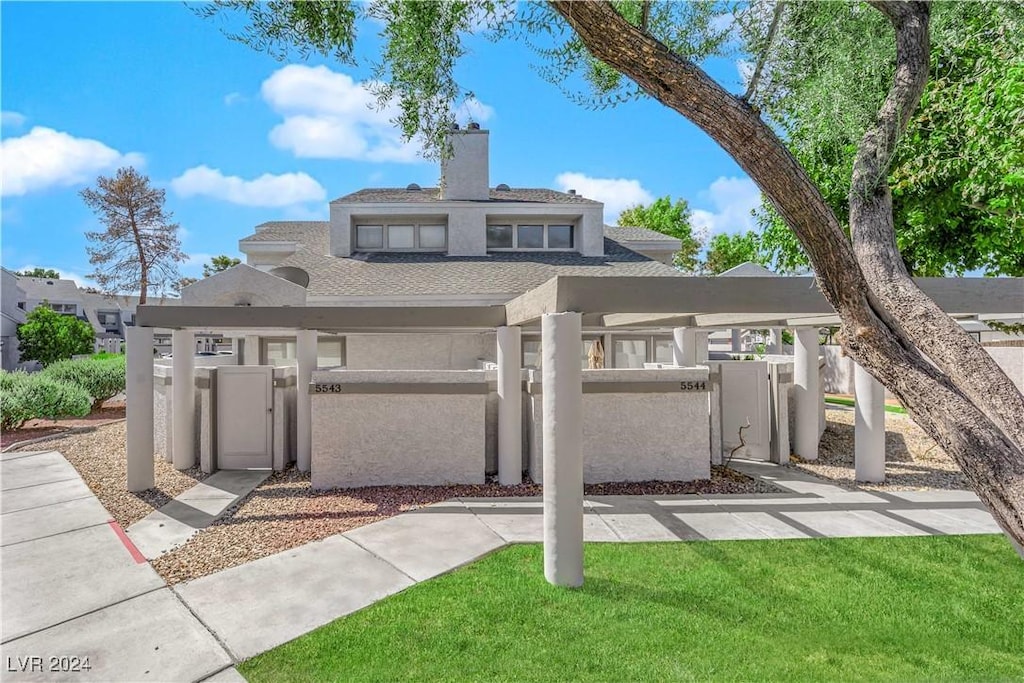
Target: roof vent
(473, 126)
(49, 282)
(572, 192)
(413, 187)
(503, 188)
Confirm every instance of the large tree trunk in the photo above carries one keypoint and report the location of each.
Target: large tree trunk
(964, 401)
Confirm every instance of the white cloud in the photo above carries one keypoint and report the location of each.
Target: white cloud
(45, 158)
(329, 115)
(474, 110)
(233, 98)
(617, 194)
(745, 71)
(729, 202)
(267, 190)
(12, 119)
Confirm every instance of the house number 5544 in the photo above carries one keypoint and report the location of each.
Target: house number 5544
(693, 386)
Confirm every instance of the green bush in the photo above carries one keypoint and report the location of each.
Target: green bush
(100, 377)
(25, 396)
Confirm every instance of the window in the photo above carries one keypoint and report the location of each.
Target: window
(630, 353)
(401, 237)
(369, 237)
(499, 236)
(663, 351)
(330, 352)
(531, 236)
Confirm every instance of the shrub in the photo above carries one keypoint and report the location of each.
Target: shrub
(48, 336)
(25, 396)
(100, 377)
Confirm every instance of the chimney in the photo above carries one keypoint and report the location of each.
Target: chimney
(465, 175)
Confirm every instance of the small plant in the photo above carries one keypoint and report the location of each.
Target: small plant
(25, 397)
(101, 378)
(743, 444)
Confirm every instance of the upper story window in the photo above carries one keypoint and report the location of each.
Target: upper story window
(401, 237)
(67, 309)
(530, 236)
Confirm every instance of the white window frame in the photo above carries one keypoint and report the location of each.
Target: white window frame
(544, 223)
(386, 226)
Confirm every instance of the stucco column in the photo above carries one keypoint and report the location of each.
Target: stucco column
(138, 391)
(700, 347)
(183, 396)
(737, 340)
(806, 393)
(775, 346)
(251, 350)
(562, 391)
(510, 406)
(305, 357)
(869, 429)
(684, 347)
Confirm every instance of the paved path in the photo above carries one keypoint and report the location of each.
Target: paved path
(321, 581)
(72, 587)
(74, 584)
(163, 530)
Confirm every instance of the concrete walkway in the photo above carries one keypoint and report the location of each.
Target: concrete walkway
(163, 530)
(321, 581)
(73, 587)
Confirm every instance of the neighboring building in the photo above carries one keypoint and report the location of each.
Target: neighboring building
(12, 314)
(108, 315)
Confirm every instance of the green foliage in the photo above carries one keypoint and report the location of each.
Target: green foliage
(669, 219)
(884, 609)
(101, 378)
(48, 336)
(25, 396)
(1006, 328)
(48, 273)
(218, 264)
(958, 173)
(728, 251)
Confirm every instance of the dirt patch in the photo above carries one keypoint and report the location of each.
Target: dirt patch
(35, 429)
(913, 461)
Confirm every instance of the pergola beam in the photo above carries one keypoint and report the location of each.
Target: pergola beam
(321, 317)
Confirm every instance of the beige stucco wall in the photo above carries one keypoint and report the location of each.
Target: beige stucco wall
(418, 351)
(631, 436)
(384, 436)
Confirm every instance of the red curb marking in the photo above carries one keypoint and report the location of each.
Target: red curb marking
(132, 550)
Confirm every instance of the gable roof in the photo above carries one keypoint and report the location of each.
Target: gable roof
(50, 289)
(427, 195)
(435, 274)
(627, 233)
(748, 269)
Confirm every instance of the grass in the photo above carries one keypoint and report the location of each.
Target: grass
(904, 609)
(850, 402)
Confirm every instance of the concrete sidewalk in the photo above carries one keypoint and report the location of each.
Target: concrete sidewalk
(328, 579)
(75, 590)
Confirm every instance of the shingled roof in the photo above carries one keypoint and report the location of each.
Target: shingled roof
(394, 195)
(624, 233)
(435, 274)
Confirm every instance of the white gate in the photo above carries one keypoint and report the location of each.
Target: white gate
(244, 411)
(745, 397)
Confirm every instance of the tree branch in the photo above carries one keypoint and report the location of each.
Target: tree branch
(772, 30)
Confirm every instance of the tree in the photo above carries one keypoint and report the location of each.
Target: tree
(952, 212)
(48, 336)
(950, 386)
(669, 219)
(728, 251)
(218, 264)
(139, 248)
(48, 273)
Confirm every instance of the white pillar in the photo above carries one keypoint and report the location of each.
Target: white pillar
(737, 341)
(700, 346)
(510, 406)
(138, 391)
(869, 430)
(183, 394)
(775, 345)
(251, 350)
(684, 347)
(305, 356)
(562, 391)
(806, 393)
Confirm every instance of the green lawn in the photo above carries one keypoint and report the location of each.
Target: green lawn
(905, 609)
(839, 400)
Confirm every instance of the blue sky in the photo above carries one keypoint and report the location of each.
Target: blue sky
(237, 138)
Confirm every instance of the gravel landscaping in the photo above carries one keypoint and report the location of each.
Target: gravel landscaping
(284, 513)
(913, 461)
